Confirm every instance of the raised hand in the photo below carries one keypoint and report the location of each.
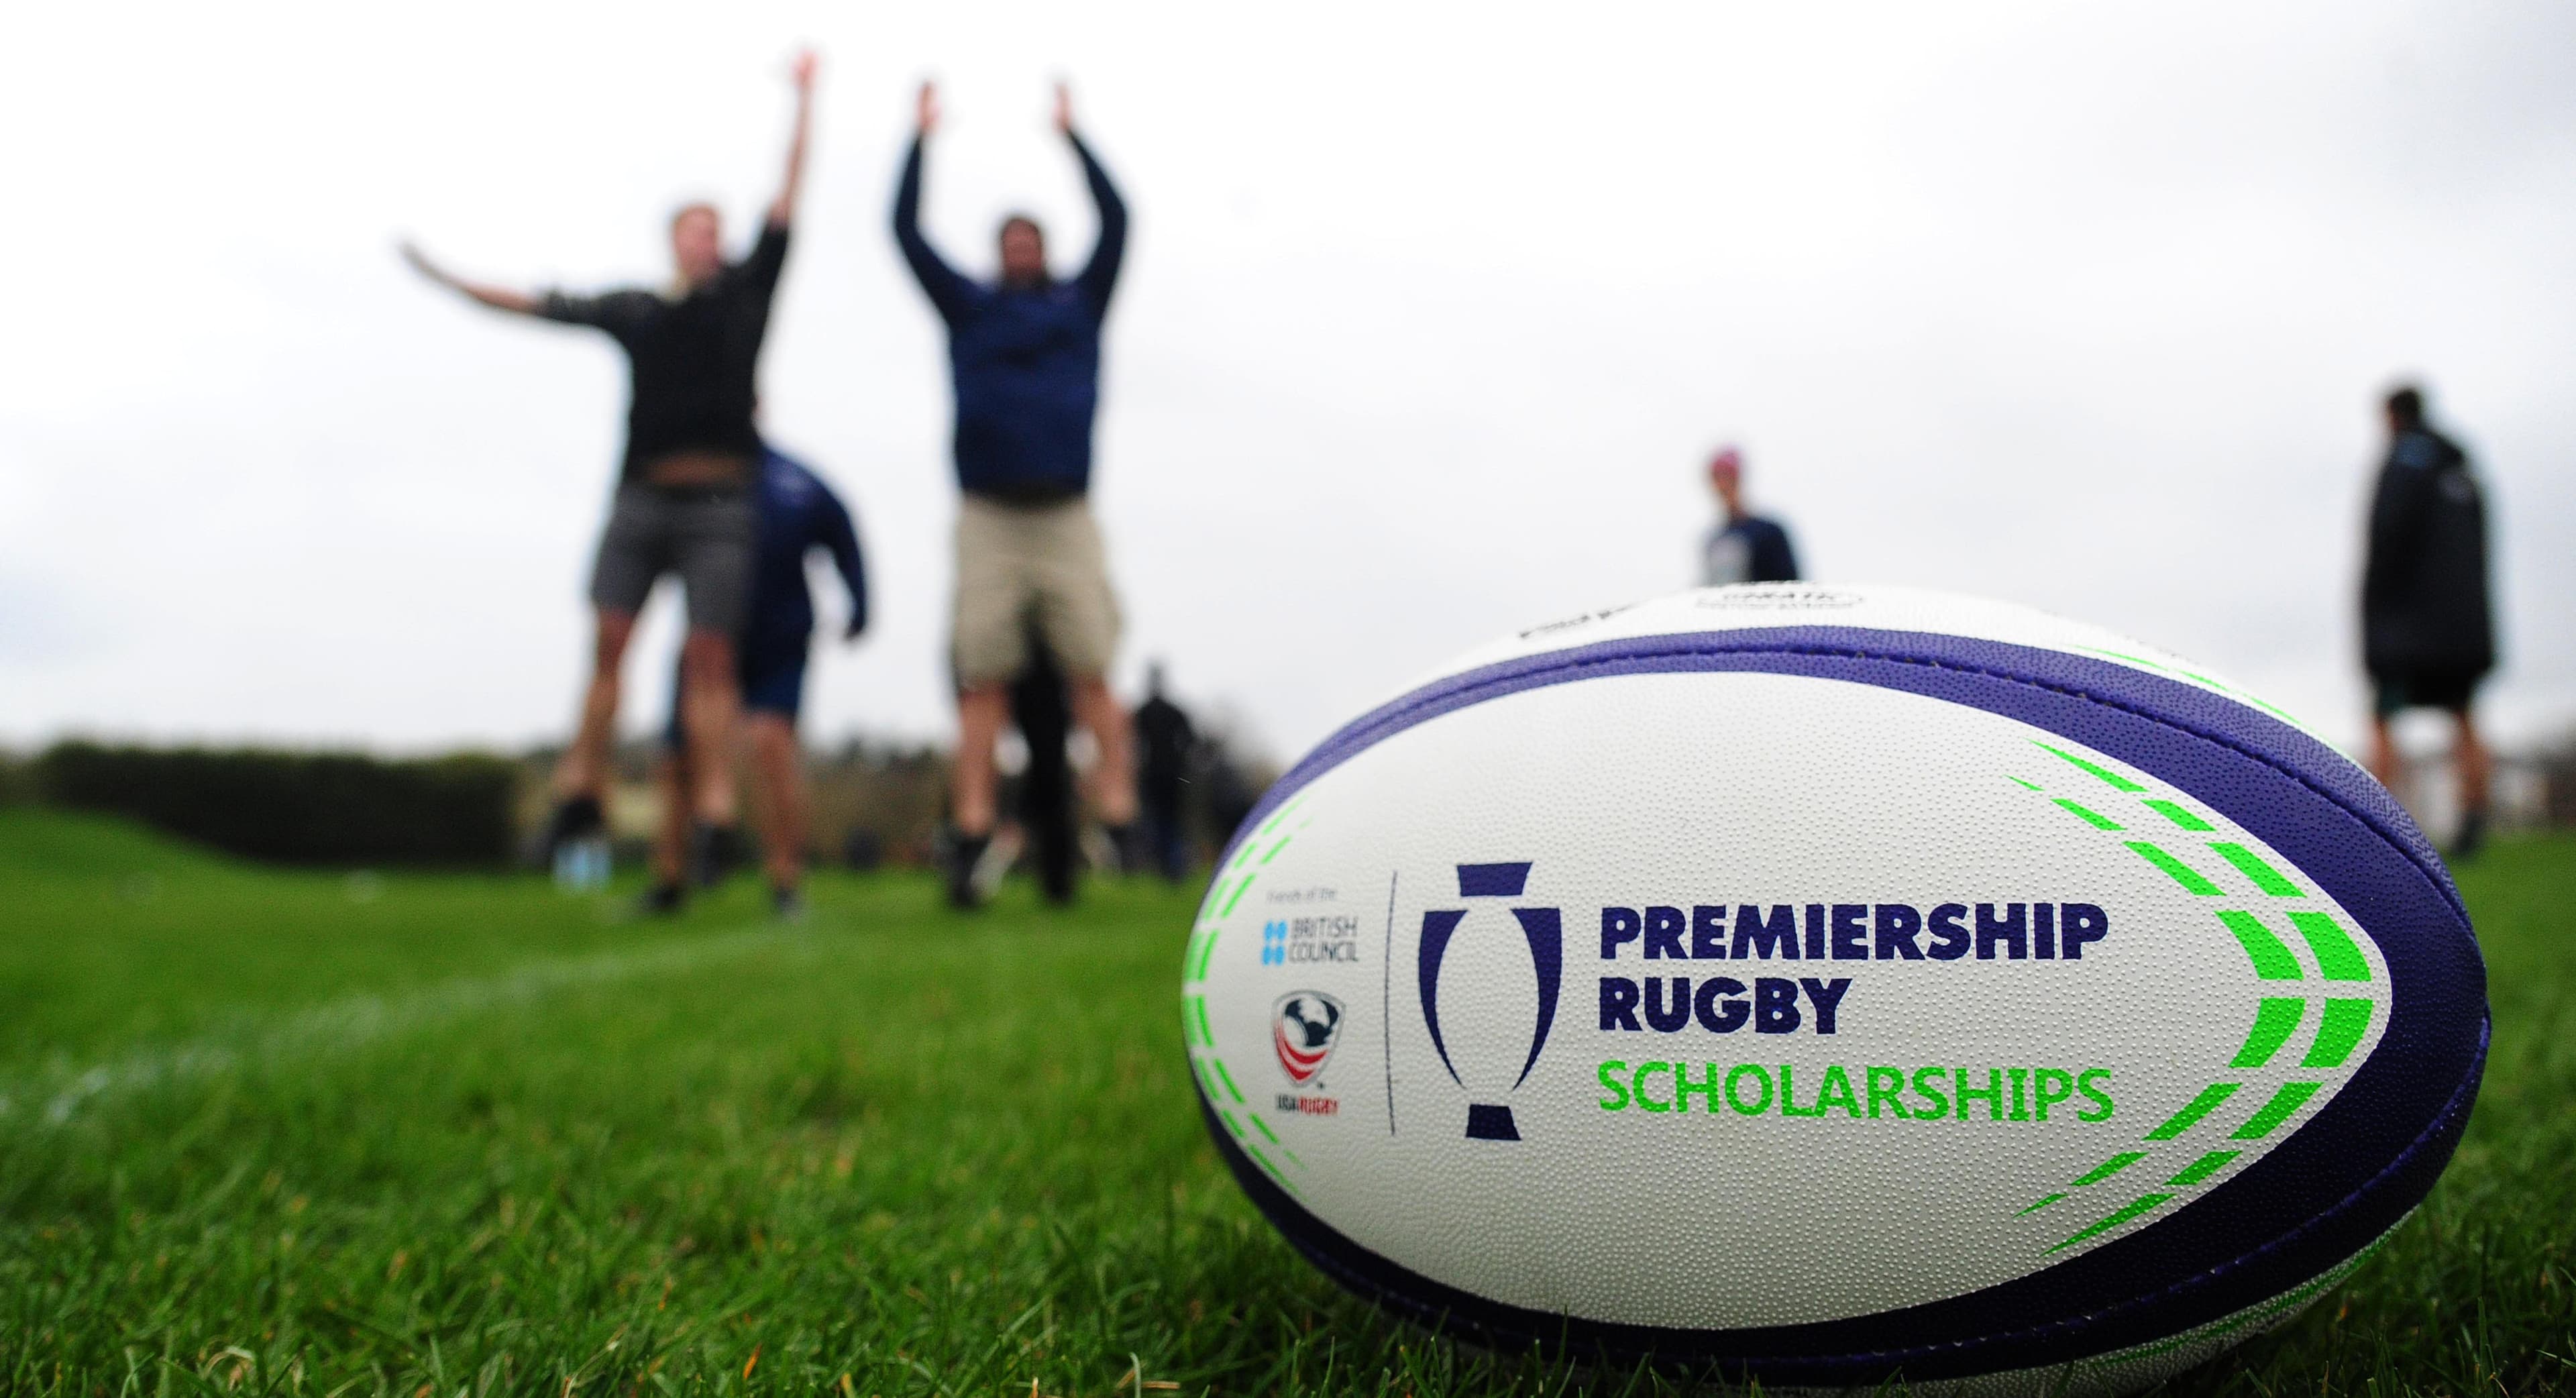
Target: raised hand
(800, 71)
(499, 298)
(1063, 108)
(420, 263)
(926, 108)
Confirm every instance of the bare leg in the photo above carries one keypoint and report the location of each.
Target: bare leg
(981, 712)
(1113, 777)
(710, 703)
(671, 834)
(778, 796)
(583, 769)
(2383, 754)
(2471, 754)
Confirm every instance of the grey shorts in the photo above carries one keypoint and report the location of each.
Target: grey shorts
(1019, 565)
(705, 537)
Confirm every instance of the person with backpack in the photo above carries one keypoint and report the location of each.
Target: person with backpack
(2427, 621)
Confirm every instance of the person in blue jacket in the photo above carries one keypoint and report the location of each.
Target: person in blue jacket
(1024, 359)
(796, 515)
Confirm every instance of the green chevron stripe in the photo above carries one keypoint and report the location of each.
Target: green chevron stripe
(2275, 1020)
(2338, 1034)
(2194, 1110)
(2181, 873)
(2144, 1203)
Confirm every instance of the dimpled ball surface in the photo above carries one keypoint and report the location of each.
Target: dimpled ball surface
(1826, 985)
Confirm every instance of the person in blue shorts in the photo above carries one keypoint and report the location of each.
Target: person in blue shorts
(796, 515)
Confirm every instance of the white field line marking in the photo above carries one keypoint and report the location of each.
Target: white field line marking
(357, 1020)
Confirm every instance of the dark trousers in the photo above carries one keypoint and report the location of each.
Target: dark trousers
(1167, 831)
(1042, 712)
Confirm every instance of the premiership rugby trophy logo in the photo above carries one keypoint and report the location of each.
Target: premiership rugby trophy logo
(1544, 929)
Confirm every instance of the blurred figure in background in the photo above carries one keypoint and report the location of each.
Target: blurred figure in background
(2427, 630)
(1744, 547)
(683, 503)
(1168, 743)
(1024, 358)
(798, 515)
(1041, 711)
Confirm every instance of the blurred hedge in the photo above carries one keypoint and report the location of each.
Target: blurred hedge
(298, 807)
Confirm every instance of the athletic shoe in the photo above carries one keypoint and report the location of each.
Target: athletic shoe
(786, 902)
(575, 817)
(715, 851)
(964, 858)
(2470, 838)
(661, 900)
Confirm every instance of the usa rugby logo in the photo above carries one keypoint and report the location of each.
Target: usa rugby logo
(1304, 1026)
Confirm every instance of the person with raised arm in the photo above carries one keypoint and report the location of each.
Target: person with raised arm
(684, 502)
(1024, 360)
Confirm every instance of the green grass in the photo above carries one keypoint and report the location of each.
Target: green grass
(306, 1133)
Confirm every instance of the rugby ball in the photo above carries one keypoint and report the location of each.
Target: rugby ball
(1830, 986)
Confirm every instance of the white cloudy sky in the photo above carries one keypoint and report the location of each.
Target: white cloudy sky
(1429, 319)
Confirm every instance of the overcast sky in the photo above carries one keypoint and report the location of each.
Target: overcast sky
(1429, 318)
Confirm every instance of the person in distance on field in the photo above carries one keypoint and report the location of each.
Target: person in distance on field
(798, 515)
(684, 495)
(1024, 359)
(1042, 711)
(2427, 628)
(1744, 547)
(1169, 744)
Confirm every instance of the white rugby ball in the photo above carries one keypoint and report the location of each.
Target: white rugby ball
(1827, 986)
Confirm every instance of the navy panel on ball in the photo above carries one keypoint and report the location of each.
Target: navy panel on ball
(2338, 1183)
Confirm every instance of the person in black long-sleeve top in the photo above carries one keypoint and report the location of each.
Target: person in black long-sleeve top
(2427, 626)
(684, 494)
(1024, 358)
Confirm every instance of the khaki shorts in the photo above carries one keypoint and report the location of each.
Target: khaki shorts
(1024, 564)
